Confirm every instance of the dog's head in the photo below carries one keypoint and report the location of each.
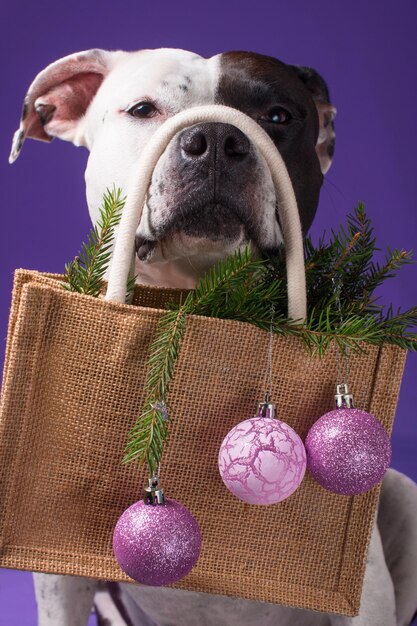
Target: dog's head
(211, 191)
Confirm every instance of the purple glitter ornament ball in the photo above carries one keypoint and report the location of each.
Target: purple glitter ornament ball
(348, 451)
(157, 544)
(262, 460)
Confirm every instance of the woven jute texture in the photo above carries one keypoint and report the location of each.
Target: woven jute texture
(72, 388)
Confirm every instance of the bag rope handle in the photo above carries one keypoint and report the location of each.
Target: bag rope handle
(124, 247)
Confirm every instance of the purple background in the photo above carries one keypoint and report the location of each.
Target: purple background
(365, 51)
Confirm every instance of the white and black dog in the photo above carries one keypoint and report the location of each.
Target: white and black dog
(210, 193)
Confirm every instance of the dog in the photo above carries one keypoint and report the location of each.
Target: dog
(210, 194)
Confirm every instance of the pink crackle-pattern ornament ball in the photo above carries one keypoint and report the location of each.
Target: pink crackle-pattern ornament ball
(262, 460)
(348, 451)
(157, 545)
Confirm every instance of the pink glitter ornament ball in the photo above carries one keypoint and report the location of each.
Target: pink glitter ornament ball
(348, 451)
(262, 460)
(157, 544)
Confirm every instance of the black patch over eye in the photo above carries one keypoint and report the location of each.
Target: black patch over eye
(278, 115)
(143, 110)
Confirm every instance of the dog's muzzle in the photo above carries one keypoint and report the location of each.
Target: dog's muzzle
(209, 183)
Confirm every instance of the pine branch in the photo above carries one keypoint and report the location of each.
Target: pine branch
(85, 274)
(227, 284)
(150, 432)
(377, 274)
(130, 288)
(243, 289)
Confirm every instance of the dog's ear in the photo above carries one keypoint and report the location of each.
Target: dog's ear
(319, 90)
(59, 96)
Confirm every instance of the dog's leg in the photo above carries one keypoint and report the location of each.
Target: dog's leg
(131, 273)
(186, 608)
(116, 608)
(63, 600)
(177, 607)
(397, 522)
(378, 598)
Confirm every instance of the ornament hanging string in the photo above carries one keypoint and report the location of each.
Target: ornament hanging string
(263, 434)
(158, 475)
(162, 407)
(337, 287)
(268, 369)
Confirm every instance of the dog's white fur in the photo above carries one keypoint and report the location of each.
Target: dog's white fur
(115, 141)
(139, 76)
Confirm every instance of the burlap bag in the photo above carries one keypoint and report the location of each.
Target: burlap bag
(72, 388)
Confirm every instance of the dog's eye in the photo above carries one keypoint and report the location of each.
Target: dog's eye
(143, 109)
(278, 115)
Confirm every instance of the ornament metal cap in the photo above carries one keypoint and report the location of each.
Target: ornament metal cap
(154, 494)
(344, 399)
(266, 408)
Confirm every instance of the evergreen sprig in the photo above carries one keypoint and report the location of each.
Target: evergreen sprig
(86, 272)
(341, 279)
(150, 433)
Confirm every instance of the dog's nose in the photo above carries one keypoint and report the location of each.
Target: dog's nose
(221, 141)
